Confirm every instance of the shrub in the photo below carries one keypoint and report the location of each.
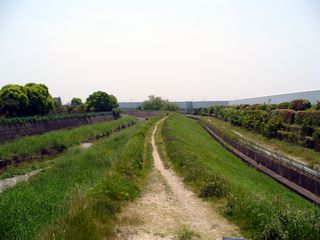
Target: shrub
(271, 107)
(116, 112)
(215, 186)
(307, 130)
(316, 136)
(299, 104)
(283, 105)
(271, 129)
(284, 115)
(307, 118)
(317, 106)
(242, 106)
(262, 107)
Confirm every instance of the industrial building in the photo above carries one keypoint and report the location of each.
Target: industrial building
(187, 106)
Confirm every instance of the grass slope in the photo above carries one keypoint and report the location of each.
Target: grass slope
(308, 156)
(79, 196)
(58, 141)
(261, 207)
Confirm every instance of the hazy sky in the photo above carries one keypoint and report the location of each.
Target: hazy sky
(178, 49)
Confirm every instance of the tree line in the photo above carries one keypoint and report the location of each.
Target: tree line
(157, 103)
(35, 99)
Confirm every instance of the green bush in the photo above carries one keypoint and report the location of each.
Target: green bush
(284, 115)
(283, 105)
(307, 130)
(215, 186)
(271, 107)
(271, 129)
(308, 118)
(116, 112)
(299, 104)
(316, 136)
(317, 107)
(262, 107)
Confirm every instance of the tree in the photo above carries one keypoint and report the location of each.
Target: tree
(76, 102)
(13, 100)
(101, 101)
(40, 100)
(58, 105)
(157, 103)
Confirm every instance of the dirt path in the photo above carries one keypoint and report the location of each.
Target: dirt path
(167, 210)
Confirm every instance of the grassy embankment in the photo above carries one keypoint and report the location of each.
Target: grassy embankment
(303, 154)
(34, 147)
(79, 196)
(261, 207)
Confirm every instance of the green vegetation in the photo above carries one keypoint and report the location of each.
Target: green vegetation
(31, 99)
(271, 122)
(261, 207)
(14, 120)
(299, 105)
(101, 101)
(58, 141)
(308, 156)
(78, 197)
(35, 99)
(76, 102)
(186, 234)
(157, 103)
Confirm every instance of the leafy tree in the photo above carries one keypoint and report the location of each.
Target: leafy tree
(40, 100)
(58, 108)
(171, 107)
(76, 102)
(101, 101)
(157, 103)
(13, 100)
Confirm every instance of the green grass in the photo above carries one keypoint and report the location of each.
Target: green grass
(25, 167)
(308, 156)
(57, 141)
(79, 196)
(261, 207)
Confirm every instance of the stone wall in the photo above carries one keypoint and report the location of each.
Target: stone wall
(9, 132)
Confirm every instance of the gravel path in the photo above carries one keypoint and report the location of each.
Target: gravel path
(167, 209)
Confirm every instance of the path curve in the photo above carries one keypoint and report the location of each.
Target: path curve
(167, 208)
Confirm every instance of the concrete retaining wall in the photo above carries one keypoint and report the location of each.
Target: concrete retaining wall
(9, 132)
(303, 180)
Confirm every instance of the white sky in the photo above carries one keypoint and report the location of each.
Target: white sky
(178, 49)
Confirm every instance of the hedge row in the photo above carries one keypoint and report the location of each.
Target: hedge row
(308, 118)
(272, 124)
(285, 115)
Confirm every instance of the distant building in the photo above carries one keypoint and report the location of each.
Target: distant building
(188, 106)
(312, 96)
